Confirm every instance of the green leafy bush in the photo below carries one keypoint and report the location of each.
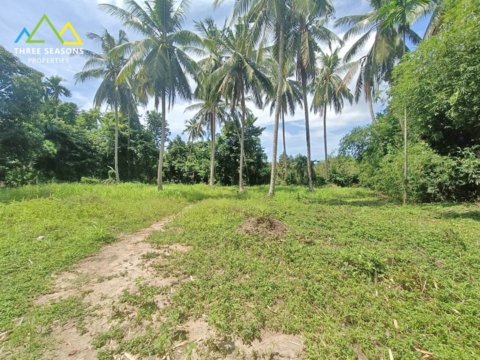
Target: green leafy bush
(432, 177)
(451, 179)
(344, 171)
(439, 82)
(297, 173)
(90, 180)
(17, 174)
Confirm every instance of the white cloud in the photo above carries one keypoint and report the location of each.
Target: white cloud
(88, 17)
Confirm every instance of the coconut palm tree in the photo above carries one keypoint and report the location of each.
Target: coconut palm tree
(389, 44)
(386, 49)
(159, 60)
(309, 30)
(275, 16)
(437, 9)
(106, 66)
(240, 74)
(211, 109)
(195, 129)
(54, 89)
(291, 96)
(330, 90)
(401, 15)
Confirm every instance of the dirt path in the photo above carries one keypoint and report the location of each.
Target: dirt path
(100, 280)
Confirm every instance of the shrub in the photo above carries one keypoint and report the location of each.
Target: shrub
(18, 174)
(451, 179)
(432, 177)
(344, 171)
(90, 180)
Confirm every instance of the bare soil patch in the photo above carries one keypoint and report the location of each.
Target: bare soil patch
(125, 266)
(208, 344)
(99, 281)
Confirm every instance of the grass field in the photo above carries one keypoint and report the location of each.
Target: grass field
(47, 228)
(351, 273)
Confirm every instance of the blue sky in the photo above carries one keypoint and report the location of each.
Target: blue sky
(86, 16)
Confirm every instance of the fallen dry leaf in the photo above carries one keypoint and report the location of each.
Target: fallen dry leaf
(129, 356)
(427, 355)
(390, 354)
(360, 354)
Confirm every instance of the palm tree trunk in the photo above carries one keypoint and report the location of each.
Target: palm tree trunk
(242, 141)
(370, 107)
(405, 158)
(405, 138)
(278, 105)
(212, 154)
(129, 170)
(285, 158)
(325, 140)
(117, 174)
(307, 131)
(162, 145)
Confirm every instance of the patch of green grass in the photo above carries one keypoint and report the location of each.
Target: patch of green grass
(29, 340)
(352, 271)
(143, 301)
(47, 228)
(151, 255)
(149, 341)
(102, 339)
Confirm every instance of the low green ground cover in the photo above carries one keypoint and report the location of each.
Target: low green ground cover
(352, 271)
(44, 229)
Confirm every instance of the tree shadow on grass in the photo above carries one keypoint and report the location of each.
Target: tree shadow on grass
(189, 193)
(351, 202)
(195, 195)
(468, 215)
(9, 195)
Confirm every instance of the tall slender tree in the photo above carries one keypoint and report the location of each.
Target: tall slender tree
(330, 90)
(400, 15)
(195, 129)
(291, 97)
(437, 10)
(273, 15)
(309, 31)
(160, 59)
(211, 109)
(241, 74)
(210, 112)
(384, 52)
(106, 66)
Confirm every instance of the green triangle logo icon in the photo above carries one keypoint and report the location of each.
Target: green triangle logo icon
(31, 39)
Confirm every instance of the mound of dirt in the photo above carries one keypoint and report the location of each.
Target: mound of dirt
(263, 226)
